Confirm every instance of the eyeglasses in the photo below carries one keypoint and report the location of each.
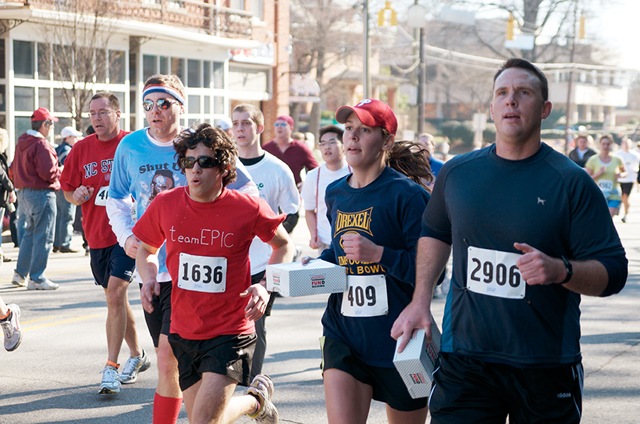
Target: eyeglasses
(48, 123)
(100, 113)
(163, 104)
(331, 142)
(280, 124)
(205, 162)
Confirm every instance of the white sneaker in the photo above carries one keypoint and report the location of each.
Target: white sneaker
(18, 280)
(133, 366)
(11, 328)
(262, 389)
(45, 284)
(110, 384)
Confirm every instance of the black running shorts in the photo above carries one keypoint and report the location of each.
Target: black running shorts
(225, 355)
(471, 391)
(111, 261)
(159, 321)
(387, 384)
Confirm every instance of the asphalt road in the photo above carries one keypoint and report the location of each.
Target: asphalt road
(54, 376)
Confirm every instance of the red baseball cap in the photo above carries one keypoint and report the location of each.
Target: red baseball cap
(287, 119)
(372, 113)
(43, 114)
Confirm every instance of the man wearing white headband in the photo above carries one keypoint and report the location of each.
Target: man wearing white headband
(138, 157)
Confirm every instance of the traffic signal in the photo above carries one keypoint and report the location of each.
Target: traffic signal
(387, 11)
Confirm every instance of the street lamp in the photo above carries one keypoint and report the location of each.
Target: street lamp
(417, 19)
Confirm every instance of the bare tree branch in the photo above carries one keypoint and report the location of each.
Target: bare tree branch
(77, 51)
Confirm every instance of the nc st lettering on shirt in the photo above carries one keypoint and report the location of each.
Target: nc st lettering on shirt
(91, 168)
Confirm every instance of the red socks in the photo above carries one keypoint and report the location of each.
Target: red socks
(166, 409)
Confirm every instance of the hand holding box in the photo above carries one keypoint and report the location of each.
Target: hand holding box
(418, 360)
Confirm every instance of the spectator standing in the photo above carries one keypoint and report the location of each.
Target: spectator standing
(85, 183)
(631, 160)
(294, 153)
(523, 254)
(582, 152)
(225, 125)
(7, 190)
(277, 187)
(36, 176)
(315, 186)
(65, 211)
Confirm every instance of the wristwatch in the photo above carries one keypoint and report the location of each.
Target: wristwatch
(569, 268)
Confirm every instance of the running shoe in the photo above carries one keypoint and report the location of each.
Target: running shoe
(11, 328)
(133, 366)
(18, 280)
(45, 284)
(110, 381)
(262, 389)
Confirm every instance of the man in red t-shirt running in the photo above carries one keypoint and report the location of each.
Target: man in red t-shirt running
(85, 182)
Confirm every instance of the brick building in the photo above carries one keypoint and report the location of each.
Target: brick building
(225, 51)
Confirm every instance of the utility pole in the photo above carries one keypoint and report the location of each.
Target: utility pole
(366, 83)
(567, 127)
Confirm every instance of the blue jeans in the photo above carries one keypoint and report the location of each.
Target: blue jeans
(38, 209)
(66, 213)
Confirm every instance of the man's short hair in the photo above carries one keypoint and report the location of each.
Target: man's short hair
(605, 136)
(224, 149)
(255, 113)
(339, 132)
(114, 103)
(515, 62)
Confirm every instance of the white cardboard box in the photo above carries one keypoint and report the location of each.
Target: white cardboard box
(417, 361)
(295, 279)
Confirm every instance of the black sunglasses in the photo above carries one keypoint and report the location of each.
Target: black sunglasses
(163, 104)
(204, 162)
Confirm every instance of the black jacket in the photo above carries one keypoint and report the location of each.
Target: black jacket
(6, 185)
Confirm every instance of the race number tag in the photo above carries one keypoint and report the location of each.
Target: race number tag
(102, 196)
(202, 273)
(605, 185)
(366, 296)
(494, 273)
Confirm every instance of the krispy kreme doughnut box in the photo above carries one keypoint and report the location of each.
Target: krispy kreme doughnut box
(295, 279)
(418, 360)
